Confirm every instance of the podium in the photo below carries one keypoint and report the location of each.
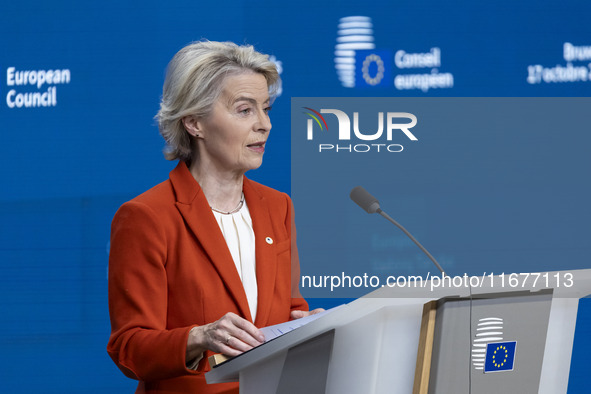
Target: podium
(497, 334)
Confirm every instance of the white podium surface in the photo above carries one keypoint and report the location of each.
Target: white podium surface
(375, 341)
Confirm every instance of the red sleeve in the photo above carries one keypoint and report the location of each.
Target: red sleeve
(140, 343)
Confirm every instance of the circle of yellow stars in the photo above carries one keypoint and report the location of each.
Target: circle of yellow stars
(496, 358)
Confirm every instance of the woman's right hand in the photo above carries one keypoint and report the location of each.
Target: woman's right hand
(230, 335)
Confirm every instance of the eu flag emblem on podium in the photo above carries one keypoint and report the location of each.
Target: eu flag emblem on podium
(500, 356)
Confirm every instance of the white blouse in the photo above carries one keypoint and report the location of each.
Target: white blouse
(239, 235)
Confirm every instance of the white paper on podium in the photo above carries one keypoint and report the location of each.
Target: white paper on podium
(272, 332)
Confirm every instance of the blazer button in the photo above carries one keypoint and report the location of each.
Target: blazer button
(269, 240)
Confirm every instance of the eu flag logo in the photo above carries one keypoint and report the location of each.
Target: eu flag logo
(500, 356)
(373, 68)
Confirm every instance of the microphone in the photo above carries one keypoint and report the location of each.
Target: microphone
(365, 200)
(371, 204)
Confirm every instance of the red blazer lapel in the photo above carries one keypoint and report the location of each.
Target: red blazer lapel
(193, 206)
(266, 255)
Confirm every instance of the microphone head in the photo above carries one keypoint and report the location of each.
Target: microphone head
(365, 200)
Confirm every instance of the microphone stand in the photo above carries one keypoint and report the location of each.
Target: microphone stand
(409, 235)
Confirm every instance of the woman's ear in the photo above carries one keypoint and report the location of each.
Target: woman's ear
(192, 125)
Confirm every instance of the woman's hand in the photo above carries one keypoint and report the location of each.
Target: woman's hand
(231, 335)
(300, 314)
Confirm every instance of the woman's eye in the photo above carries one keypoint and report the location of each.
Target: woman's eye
(244, 111)
(268, 109)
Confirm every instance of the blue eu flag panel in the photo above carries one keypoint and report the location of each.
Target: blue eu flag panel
(500, 356)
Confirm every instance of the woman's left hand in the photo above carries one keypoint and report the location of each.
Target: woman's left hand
(299, 314)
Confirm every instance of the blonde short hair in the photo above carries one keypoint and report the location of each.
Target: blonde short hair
(194, 80)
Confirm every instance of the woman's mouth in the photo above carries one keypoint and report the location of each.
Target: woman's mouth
(258, 147)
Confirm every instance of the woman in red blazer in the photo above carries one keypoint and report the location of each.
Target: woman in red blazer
(198, 262)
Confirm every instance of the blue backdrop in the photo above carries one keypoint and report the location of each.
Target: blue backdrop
(81, 83)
